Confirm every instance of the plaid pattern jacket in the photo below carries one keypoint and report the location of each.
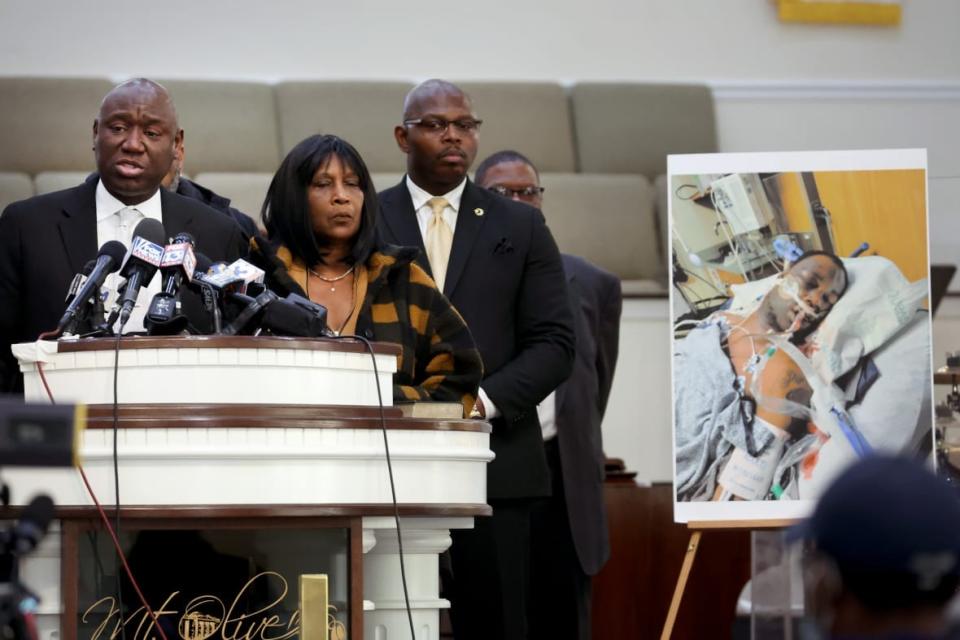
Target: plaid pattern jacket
(439, 359)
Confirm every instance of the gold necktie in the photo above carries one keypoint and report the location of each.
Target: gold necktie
(438, 241)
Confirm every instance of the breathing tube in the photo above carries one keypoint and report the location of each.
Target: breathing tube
(827, 403)
(751, 477)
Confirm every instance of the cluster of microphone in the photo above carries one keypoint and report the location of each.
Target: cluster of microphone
(234, 295)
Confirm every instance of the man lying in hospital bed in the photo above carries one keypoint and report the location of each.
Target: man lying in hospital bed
(802, 373)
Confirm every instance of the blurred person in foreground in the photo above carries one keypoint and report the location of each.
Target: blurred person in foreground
(884, 557)
(321, 214)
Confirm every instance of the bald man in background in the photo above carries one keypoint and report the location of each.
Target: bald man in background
(498, 264)
(46, 239)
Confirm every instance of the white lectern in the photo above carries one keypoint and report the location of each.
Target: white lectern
(250, 431)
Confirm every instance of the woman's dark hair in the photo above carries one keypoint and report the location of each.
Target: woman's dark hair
(286, 210)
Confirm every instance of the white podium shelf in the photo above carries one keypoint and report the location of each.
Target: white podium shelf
(234, 370)
(336, 463)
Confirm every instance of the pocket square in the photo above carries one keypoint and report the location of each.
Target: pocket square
(503, 247)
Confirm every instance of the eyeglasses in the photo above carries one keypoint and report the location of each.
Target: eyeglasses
(437, 126)
(525, 192)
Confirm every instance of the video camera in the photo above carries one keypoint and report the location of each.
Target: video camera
(32, 436)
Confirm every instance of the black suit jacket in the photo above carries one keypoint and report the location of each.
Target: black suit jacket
(581, 402)
(506, 279)
(45, 240)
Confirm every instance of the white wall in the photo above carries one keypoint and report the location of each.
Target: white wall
(778, 86)
(946, 337)
(858, 116)
(563, 39)
(637, 425)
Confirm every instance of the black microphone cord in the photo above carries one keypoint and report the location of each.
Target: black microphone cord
(393, 489)
(103, 514)
(116, 477)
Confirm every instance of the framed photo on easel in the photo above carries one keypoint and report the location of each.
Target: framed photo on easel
(801, 336)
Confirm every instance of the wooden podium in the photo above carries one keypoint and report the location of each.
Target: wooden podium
(254, 433)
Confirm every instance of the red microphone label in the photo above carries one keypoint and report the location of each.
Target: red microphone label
(179, 255)
(246, 271)
(147, 251)
(189, 262)
(172, 255)
(78, 281)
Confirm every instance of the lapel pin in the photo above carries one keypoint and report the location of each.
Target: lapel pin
(478, 211)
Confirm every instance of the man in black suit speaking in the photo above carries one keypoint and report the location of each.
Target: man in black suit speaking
(569, 530)
(46, 239)
(498, 264)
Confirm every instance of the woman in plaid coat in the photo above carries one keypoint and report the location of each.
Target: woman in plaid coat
(320, 215)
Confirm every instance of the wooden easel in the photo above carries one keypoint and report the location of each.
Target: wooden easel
(696, 531)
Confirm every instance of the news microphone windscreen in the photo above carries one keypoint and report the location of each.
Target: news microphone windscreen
(79, 281)
(152, 230)
(286, 318)
(184, 238)
(39, 511)
(36, 435)
(180, 256)
(33, 524)
(249, 273)
(116, 251)
(226, 281)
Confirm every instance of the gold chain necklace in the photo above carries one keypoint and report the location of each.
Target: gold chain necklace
(333, 281)
(353, 298)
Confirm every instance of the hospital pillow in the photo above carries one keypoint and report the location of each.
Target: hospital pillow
(747, 296)
(879, 301)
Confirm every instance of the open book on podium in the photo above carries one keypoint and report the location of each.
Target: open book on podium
(430, 410)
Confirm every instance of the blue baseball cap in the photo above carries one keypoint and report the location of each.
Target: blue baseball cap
(888, 515)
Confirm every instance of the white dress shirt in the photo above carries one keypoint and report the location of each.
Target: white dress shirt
(547, 413)
(117, 221)
(424, 214)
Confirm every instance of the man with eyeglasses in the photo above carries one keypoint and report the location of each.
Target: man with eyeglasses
(497, 262)
(568, 530)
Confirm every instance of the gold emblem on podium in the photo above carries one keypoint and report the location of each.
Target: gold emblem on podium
(314, 615)
(198, 626)
(208, 617)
